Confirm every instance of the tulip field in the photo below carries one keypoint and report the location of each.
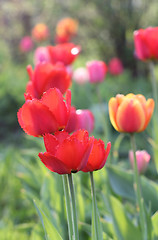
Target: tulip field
(79, 114)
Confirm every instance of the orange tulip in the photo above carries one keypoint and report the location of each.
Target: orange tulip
(40, 32)
(67, 27)
(130, 113)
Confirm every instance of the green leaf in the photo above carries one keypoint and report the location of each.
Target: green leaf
(87, 228)
(80, 200)
(155, 225)
(100, 231)
(97, 232)
(148, 222)
(37, 233)
(108, 228)
(50, 230)
(154, 141)
(121, 182)
(116, 146)
(124, 228)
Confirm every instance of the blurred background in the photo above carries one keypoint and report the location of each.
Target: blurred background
(105, 31)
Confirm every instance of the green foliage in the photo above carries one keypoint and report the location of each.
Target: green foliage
(155, 223)
(121, 182)
(50, 230)
(123, 226)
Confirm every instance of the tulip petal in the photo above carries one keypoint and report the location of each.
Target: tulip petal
(107, 151)
(142, 100)
(141, 47)
(81, 135)
(58, 78)
(42, 75)
(54, 164)
(36, 119)
(71, 152)
(50, 142)
(113, 106)
(97, 156)
(65, 53)
(68, 99)
(53, 99)
(30, 72)
(87, 153)
(130, 116)
(61, 136)
(31, 90)
(152, 41)
(72, 122)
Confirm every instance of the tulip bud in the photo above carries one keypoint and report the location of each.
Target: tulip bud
(142, 158)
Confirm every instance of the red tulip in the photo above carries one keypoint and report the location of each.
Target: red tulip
(65, 53)
(130, 113)
(47, 76)
(115, 66)
(98, 156)
(80, 119)
(46, 115)
(97, 71)
(65, 153)
(61, 39)
(146, 43)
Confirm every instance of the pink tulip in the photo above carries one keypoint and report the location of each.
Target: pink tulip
(26, 44)
(80, 119)
(72, 122)
(97, 71)
(115, 66)
(81, 75)
(69, 70)
(142, 158)
(41, 55)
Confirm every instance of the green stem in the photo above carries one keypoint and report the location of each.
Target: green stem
(104, 118)
(95, 210)
(137, 188)
(116, 147)
(155, 114)
(74, 210)
(68, 206)
(154, 85)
